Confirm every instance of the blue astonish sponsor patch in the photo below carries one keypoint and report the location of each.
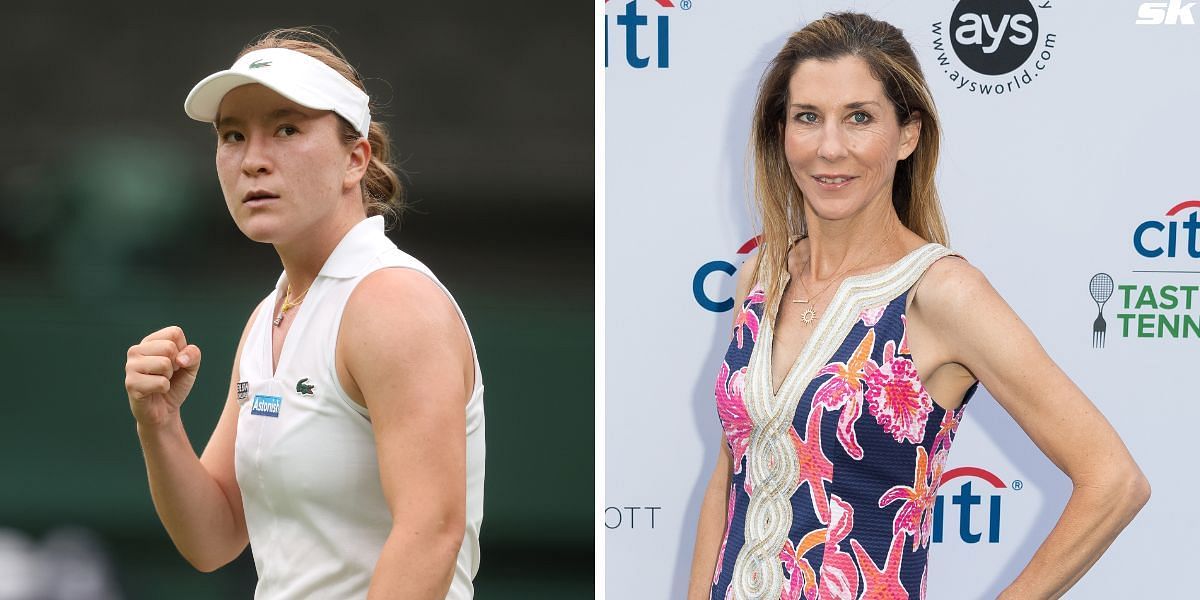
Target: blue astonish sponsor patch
(267, 406)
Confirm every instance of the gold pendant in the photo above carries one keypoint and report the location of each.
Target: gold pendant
(808, 316)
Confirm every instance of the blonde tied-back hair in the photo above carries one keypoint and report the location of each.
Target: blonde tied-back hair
(382, 191)
(891, 60)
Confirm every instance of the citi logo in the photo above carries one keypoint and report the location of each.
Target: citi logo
(707, 269)
(971, 506)
(1155, 238)
(1165, 13)
(630, 25)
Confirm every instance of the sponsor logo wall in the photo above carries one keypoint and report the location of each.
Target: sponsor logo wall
(1068, 176)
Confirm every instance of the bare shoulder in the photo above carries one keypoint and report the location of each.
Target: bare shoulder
(399, 303)
(950, 287)
(745, 276)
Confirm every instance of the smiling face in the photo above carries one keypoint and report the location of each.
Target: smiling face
(842, 138)
(283, 167)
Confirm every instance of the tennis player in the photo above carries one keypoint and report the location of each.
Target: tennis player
(349, 454)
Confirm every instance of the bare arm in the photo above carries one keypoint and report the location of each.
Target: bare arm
(983, 333)
(197, 499)
(410, 361)
(710, 528)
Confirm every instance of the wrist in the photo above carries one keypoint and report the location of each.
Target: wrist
(154, 430)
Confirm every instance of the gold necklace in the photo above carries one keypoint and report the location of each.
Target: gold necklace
(289, 304)
(810, 314)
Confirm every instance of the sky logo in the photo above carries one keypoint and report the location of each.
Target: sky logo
(632, 22)
(1152, 245)
(966, 499)
(711, 267)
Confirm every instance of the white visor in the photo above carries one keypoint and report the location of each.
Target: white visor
(293, 75)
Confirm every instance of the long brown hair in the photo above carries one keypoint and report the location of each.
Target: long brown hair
(891, 60)
(381, 189)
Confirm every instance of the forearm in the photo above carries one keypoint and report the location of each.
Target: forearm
(417, 563)
(710, 530)
(1092, 519)
(193, 508)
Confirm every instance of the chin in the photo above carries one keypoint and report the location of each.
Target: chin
(259, 228)
(835, 210)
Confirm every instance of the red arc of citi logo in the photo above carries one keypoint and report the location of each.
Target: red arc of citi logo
(714, 266)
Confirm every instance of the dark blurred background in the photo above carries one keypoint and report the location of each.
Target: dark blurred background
(112, 225)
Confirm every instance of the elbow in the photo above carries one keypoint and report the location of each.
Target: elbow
(1129, 489)
(443, 536)
(209, 560)
(451, 534)
(1140, 490)
(204, 564)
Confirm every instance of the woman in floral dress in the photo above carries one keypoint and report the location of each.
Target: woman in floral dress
(859, 341)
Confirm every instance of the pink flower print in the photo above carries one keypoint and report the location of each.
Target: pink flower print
(793, 588)
(839, 576)
(916, 514)
(757, 295)
(871, 316)
(904, 336)
(746, 319)
(732, 411)
(937, 468)
(924, 580)
(896, 397)
(947, 430)
(815, 468)
(844, 390)
(802, 580)
(882, 584)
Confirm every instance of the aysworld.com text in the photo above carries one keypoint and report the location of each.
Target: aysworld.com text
(993, 87)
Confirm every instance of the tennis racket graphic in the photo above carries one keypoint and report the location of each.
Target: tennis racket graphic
(1101, 288)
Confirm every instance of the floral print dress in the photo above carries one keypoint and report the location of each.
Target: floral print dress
(835, 474)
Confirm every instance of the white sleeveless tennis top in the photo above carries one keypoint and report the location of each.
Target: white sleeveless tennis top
(305, 452)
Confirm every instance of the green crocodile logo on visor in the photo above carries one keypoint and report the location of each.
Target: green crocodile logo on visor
(260, 63)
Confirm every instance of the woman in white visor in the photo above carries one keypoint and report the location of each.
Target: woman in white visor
(349, 454)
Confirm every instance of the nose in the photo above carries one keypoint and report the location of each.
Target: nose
(832, 146)
(257, 159)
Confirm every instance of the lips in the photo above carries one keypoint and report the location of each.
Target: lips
(258, 196)
(833, 181)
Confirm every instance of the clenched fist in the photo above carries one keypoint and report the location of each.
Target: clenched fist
(159, 373)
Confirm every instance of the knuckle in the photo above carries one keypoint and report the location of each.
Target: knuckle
(162, 365)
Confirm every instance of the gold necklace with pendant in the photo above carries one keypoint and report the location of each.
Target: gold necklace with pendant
(810, 313)
(289, 304)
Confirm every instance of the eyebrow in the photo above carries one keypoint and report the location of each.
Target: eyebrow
(851, 105)
(274, 115)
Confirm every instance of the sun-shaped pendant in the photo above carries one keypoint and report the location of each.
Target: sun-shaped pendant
(808, 316)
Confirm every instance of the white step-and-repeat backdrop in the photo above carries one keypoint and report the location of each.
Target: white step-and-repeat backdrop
(1070, 160)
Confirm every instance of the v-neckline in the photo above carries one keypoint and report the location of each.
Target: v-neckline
(284, 346)
(823, 322)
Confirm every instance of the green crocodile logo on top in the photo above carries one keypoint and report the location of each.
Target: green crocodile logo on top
(260, 63)
(305, 388)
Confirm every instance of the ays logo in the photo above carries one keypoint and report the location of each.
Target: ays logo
(993, 47)
(715, 266)
(644, 37)
(1162, 300)
(973, 505)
